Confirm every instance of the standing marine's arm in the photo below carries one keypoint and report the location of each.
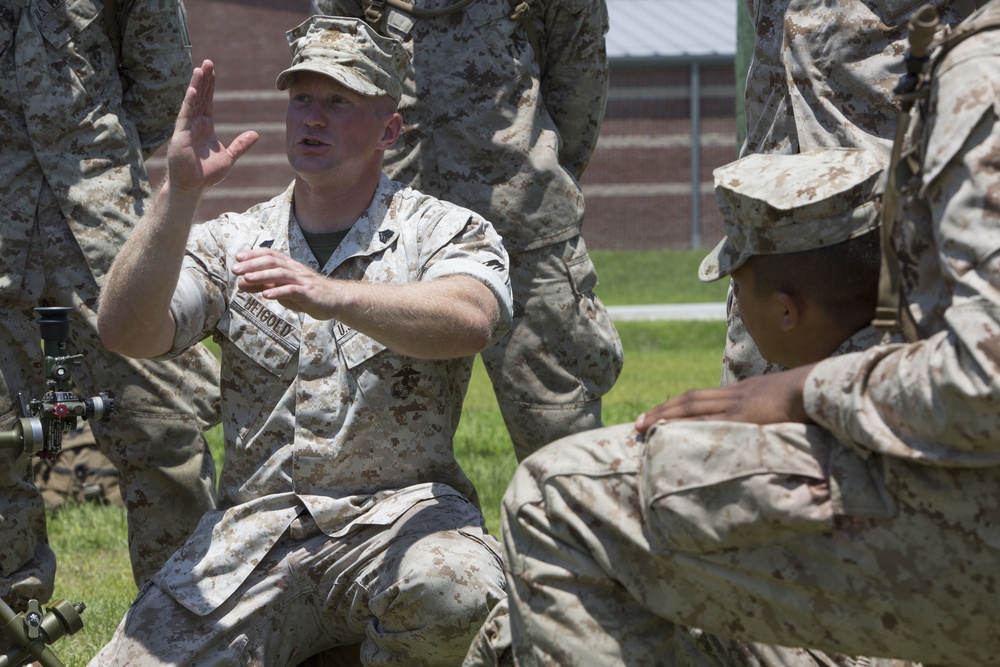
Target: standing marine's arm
(574, 73)
(154, 67)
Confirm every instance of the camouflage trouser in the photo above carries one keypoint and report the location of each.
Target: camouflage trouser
(411, 593)
(692, 648)
(775, 534)
(562, 353)
(154, 437)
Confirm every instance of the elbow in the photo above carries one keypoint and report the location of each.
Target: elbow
(481, 322)
(479, 340)
(110, 334)
(133, 341)
(113, 338)
(484, 331)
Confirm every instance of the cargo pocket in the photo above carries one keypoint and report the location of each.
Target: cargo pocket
(711, 486)
(599, 349)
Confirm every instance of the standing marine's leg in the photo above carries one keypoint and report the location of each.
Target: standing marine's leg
(154, 436)
(563, 352)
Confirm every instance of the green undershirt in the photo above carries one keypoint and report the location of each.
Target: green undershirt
(323, 244)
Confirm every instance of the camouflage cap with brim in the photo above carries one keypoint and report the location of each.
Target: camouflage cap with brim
(348, 51)
(775, 204)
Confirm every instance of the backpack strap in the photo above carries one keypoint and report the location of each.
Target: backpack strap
(375, 13)
(892, 314)
(522, 14)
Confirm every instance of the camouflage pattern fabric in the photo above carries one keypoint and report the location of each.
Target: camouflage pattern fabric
(410, 592)
(562, 353)
(74, 184)
(688, 646)
(484, 129)
(79, 473)
(776, 204)
(789, 538)
(322, 421)
(822, 75)
(874, 532)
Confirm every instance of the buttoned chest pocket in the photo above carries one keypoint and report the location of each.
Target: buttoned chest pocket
(357, 348)
(891, 11)
(260, 348)
(395, 391)
(75, 30)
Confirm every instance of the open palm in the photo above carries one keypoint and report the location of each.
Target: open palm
(196, 159)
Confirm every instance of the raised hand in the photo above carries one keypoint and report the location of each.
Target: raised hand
(196, 159)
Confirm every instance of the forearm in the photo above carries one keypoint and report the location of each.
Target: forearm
(574, 82)
(438, 319)
(134, 318)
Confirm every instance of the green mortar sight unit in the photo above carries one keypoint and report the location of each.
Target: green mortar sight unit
(44, 421)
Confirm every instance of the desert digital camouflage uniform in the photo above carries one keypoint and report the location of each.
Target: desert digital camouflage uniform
(343, 516)
(874, 531)
(770, 204)
(822, 75)
(73, 185)
(483, 129)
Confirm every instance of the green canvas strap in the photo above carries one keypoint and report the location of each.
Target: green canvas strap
(375, 13)
(375, 10)
(891, 313)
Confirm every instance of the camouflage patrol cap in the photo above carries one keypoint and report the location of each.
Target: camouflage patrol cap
(350, 52)
(774, 204)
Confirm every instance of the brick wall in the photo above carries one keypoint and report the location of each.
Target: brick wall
(638, 185)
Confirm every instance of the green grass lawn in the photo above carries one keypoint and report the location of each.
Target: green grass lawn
(662, 359)
(633, 277)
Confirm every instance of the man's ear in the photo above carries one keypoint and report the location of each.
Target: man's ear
(392, 129)
(791, 310)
